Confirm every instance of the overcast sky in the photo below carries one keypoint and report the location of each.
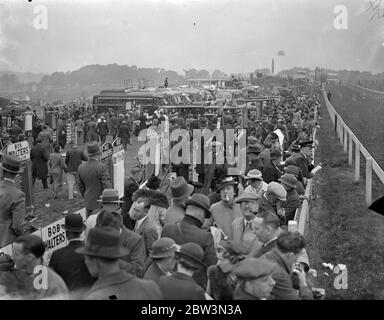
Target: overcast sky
(234, 36)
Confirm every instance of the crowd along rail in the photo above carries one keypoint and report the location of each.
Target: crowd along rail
(347, 139)
(302, 213)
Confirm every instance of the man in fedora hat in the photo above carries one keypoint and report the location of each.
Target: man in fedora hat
(181, 285)
(292, 202)
(226, 211)
(64, 261)
(93, 178)
(12, 201)
(190, 229)
(256, 184)
(179, 191)
(135, 260)
(163, 259)
(102, 252)
(242, 227)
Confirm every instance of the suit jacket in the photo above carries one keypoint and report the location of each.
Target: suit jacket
(238, 232)
(291, 204)
(283, 288)
(180, 286)
(73, 159)
(154, 273)
(174, 214)
(12, 212)
(302, 162)
(191, 231)
(130, 186)
(66, 262)
(93, 179)
(271, 173)
(123, 286)
(148, 231)
(135, 260)
(39, 157)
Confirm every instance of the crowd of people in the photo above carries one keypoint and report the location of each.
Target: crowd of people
(222, 237)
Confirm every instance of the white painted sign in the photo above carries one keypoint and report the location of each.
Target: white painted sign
(54, 238)
(19, 149)
(6, 250)
(118, 166)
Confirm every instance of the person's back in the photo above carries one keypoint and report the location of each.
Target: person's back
(180, 286)
(123, 286)
(93, 179)
(74, 159)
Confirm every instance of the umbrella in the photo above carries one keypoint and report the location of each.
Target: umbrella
(378, 206)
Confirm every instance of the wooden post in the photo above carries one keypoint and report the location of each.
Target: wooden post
(345, 140)
(368, 182)
(350, 150)
(341, 133)
(335, 123)
(357, 162)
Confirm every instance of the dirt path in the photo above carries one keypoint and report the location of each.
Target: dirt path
(342, 230)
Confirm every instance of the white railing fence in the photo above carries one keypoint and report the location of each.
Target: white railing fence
(347, 139)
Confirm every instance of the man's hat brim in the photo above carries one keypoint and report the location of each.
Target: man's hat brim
(107, 255)
(188, 257)
(80, 229)
(198, 204)
(11, 171)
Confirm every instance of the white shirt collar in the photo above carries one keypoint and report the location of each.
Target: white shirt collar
(265, 244)
(139, 222)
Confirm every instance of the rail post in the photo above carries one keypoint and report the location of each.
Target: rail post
(368, 182)
(350, 150)
(345, 140)
(357, 162)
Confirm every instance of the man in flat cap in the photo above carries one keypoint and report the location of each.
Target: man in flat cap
(254, 279)
(242, 227)
(271, 171)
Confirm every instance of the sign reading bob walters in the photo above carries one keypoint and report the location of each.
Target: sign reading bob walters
(118, 166)
(23, 180)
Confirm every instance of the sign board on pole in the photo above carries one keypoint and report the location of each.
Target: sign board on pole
(23, 180)
(9, 122)
(28, 121)
(118, 166)
(54, 238)
(128, 105)
(69, 132)
(54, 136)
(106, 157)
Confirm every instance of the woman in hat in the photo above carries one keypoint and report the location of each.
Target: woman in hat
(180, 285)
(56, 166)
(220, 278)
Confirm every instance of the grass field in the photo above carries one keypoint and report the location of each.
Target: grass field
(59, 207)
(342, 230)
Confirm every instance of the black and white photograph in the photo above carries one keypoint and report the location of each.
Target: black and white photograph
(178, 150)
